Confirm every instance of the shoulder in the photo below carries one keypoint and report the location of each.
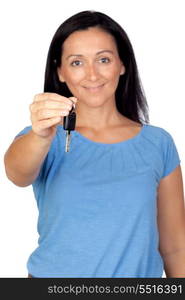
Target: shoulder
(162, 140)
(152, 133)
(150, 130)
(157, 133)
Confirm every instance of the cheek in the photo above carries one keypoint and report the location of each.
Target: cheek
(74, 77)
(113, 79)
(115, 74)
(112, 73)
(73, 80)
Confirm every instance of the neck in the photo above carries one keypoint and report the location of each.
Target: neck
(98, 118)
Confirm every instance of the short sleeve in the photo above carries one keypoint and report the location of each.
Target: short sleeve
(24, 131)
(170, 155)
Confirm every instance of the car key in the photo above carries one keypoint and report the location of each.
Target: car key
(69, 125)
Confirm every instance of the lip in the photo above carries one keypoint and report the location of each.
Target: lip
(94, 88)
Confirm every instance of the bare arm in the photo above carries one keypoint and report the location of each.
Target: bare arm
(171, 223)
(24, 158)
(26, 154)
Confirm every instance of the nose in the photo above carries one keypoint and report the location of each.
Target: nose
(92, 73)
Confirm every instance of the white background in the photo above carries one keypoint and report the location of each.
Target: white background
(156, 31)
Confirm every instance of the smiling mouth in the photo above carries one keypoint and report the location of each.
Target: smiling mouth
(94, 88)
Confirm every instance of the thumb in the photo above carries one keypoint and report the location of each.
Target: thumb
(74, 99)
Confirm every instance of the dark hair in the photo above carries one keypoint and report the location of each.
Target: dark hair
(130, 98)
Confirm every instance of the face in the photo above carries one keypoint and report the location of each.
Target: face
(90, 66)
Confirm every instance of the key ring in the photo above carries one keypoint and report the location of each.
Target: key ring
(73, 103)
(73, 108)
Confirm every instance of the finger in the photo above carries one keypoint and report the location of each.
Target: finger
(48, 114)
(51, 96)
(44, 96)
(44, 124)
(50, 104)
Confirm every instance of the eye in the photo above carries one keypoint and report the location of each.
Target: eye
(105, 60)
(76, 63)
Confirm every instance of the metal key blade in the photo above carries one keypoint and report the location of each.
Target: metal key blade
(68, 138)
(69, 125)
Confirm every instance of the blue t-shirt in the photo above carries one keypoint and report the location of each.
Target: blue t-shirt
(98, 208)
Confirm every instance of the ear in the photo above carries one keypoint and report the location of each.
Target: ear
(122, 70)
(60, 76)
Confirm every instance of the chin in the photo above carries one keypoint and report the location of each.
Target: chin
(94, 101)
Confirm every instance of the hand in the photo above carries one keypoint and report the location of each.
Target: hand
(47, 111)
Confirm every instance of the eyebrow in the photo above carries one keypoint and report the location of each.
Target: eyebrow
(99, 52)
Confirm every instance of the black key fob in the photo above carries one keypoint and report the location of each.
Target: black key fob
(70, 120)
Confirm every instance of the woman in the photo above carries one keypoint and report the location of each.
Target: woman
(113, 205)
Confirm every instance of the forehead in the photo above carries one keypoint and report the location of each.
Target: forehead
(89, 40)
